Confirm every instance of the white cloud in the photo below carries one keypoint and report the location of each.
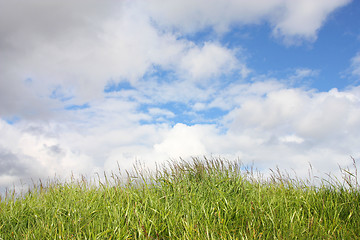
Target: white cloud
(302, 19)
(34, 151)
(182, 141)
(321, 120)
(210, 61)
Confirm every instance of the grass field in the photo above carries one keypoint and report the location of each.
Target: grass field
(197, 199)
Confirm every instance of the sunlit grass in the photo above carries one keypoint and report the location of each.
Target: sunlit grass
(198, 199)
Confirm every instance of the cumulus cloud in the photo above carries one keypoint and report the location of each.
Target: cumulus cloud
(313, 114)
(302, 19)
(210, 61)
(309, 121)
(183, 141)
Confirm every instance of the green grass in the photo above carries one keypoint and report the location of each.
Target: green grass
(198, 199)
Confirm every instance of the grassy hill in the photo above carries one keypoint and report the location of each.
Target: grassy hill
(198, 199)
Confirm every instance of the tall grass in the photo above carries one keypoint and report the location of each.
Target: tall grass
(197, 199)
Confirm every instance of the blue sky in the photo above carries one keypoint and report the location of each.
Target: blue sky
(85, 86)
(330, 54)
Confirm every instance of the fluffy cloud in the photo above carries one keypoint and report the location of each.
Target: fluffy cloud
(310, 115)
(302, 19)
(210, 61)
(298, 124)
(183, 141)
